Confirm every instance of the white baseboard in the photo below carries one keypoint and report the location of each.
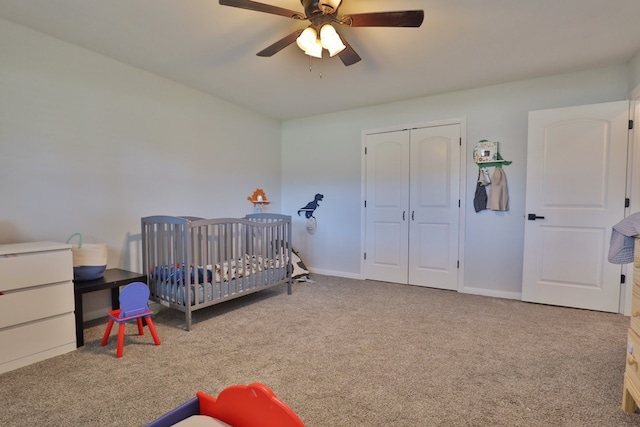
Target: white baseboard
(356, 276)
(491, 293)
(465, 290)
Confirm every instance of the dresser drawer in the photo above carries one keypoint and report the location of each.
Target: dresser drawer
(36, 303)
(636, 262)
(32, 269)
(36, 341)
(635, 308)
(633, 358)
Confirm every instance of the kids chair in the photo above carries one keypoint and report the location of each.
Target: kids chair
(134, 300)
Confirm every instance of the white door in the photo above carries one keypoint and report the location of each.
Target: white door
(434, 207)
(387, 204)
(412, 206)
(576, 178)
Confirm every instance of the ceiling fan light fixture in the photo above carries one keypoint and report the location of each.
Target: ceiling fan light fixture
(331, 40)
(329, 6)
(309, 43)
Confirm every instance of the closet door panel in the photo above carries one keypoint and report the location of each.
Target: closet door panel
(430, 182)
(388, 242)
(434, 206)
(387, 199)
(434, 247)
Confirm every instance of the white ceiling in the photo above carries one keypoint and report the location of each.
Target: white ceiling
(461, 44)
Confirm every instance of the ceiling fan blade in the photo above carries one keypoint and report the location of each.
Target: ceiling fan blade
(280, 44)
(261, 7)
(348, 56)
(407, 18)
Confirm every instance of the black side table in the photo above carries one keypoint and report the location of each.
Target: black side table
(112, 279)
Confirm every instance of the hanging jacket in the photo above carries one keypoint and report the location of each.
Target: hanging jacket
(480, 198)
(498, 193)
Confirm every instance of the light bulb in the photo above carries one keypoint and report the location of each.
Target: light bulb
(331, 40)
(307, 38)
(309, 43)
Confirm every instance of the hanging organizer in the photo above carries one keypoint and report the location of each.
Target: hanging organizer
(486, 155)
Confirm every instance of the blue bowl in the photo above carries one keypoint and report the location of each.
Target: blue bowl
(88, 272)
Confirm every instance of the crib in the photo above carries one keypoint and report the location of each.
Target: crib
(192, 263)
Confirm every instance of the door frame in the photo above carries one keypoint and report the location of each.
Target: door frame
(633, 192)
(462, 122)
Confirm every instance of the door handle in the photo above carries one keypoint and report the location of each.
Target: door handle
(533, 217)
(403, 214)
(413, 215)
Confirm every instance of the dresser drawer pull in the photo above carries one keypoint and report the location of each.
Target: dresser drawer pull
(631, 360)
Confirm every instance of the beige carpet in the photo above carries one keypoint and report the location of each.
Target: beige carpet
(345, 352)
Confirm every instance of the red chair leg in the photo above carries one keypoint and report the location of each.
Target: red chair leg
(140, 328)
(107, 332)
(152, 329)
(120, 340)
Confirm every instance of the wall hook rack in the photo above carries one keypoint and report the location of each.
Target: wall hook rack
(486, 155)
(499, 162)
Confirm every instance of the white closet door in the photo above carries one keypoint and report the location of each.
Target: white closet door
(387, 198)
(434, 207)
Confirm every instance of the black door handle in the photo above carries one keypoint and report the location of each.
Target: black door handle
(533, 217)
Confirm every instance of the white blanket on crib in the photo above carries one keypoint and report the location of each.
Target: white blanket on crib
(238, 268)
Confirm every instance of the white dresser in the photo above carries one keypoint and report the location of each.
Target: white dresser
(36, 303)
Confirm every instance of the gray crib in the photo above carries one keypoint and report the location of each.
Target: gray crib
(193, 263)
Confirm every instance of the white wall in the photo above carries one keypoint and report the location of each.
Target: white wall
(323, 154)
(634, 74)
(90, 145)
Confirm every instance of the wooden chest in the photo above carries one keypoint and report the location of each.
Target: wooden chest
(631, 394)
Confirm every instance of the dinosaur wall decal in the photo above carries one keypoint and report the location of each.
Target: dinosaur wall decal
(311, 206)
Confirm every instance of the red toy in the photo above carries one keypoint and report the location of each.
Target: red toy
(253, 405)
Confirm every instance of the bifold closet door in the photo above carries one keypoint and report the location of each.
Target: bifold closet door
(412, 206)
(387, 205)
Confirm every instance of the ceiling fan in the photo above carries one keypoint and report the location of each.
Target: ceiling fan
(321, 34)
